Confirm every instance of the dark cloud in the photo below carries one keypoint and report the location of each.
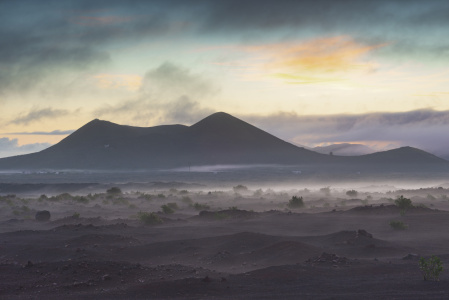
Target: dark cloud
(10, 147)
(425, 129)
(46, 39)
(39, 114)
(41, 39)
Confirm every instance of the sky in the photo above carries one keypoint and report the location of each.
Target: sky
(310, 72)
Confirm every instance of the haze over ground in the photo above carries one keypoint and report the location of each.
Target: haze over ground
(310, 72)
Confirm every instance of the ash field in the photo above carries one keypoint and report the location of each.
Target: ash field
(265, 233)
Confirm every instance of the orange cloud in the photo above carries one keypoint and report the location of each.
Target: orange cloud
(306, 62)
(118, 81)
(336, 54)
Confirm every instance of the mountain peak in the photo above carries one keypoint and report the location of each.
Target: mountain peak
(217, 119)
(223, 124)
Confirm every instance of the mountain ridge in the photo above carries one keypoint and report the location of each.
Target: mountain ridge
(217, 139)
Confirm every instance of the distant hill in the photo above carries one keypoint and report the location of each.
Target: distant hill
(403, 155)
(345, 149)
(218, 139)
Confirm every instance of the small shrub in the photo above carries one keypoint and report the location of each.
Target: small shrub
(295, 202)
(403, 203)
(82, 199)
(398, 225)
(76, 215)
(162, 196)
(352, 193)
(186, 200)
(167, 209)
(240, 188)
(199, 206)
(173, 205)
(221, 216)
(149, 218)
(326, 190)
(145, 196)
(183, 192)
(120, 201)
(431, 268)
(258, 193)
(63, 196)
(114, 191)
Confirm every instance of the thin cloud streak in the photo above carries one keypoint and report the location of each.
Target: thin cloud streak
(39, 114)
(54, 132)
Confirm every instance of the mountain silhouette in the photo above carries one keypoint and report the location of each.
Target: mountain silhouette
(217, 139)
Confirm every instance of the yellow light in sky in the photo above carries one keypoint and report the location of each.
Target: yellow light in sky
(306, 61)
(128, 82)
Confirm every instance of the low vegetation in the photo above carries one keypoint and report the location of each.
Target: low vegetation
(352, 193)
(431, 268)
(398, 225)
(295, 202)
(114, 191)
(403, 203)
(149, 218)
(240, 188)
(166, 209)
(199, 206)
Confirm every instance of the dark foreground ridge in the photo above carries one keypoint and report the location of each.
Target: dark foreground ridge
(219, 139)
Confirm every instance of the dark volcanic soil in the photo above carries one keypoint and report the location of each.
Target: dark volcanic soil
(345, 252)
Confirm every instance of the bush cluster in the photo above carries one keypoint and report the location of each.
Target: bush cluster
(149, 218)
(431, 268)
(295, 202)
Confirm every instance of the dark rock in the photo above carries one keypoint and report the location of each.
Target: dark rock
(410, 256)
(106, 277)
(43, 216)
(363, 232)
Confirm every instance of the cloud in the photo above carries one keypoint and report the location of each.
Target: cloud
(185, 111)
(45, 42)
(170, 80)
(172, 93)
(424, 129)
(41, 41)
(310, 61)
(10, 147)
(39, 114)
(54, 132)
